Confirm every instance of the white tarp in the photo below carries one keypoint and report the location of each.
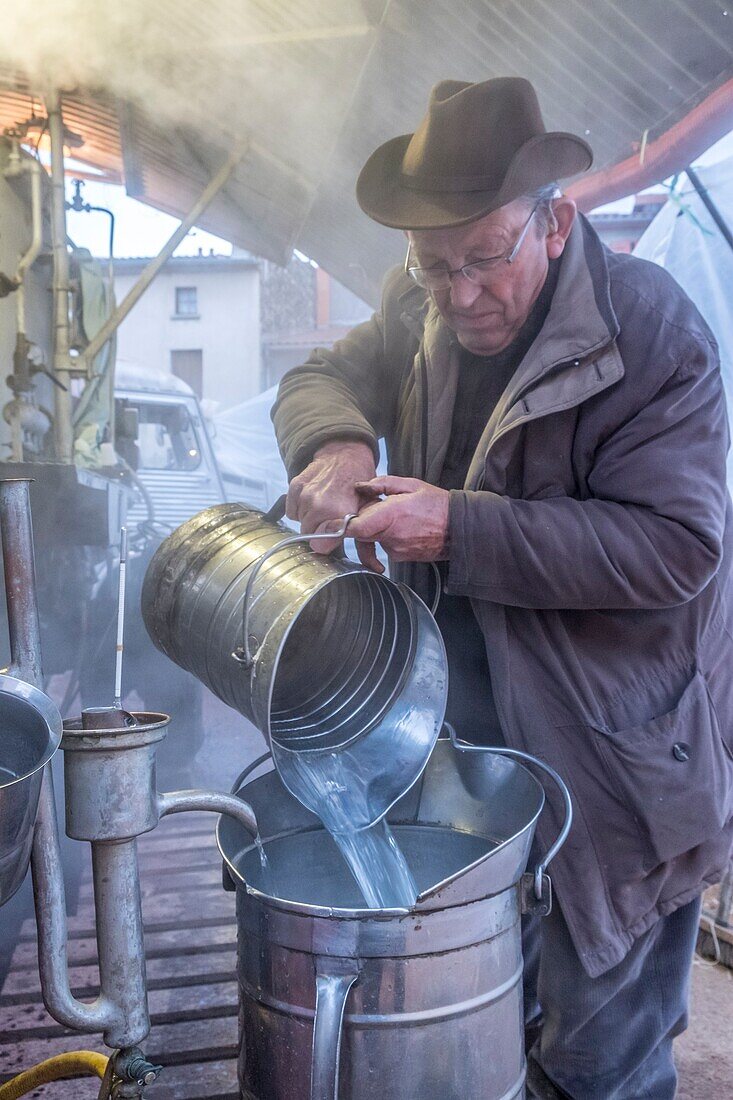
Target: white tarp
(247, 452)
(684, 239)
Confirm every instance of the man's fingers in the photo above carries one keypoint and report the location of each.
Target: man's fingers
(370, 523)
(325, 546)
(368, 556)
(388, 485)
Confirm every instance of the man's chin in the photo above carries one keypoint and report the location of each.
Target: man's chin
(484, 343)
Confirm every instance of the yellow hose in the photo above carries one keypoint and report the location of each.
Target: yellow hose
(77, 1062)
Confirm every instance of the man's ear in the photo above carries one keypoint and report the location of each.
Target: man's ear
(558, 231)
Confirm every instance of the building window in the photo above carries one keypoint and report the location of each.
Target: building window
(186, 302)
(188, 365)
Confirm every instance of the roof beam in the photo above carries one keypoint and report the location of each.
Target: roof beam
(677, 147)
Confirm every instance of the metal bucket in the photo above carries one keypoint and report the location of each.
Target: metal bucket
(319, 652)
(30, 733)
(338, 1002)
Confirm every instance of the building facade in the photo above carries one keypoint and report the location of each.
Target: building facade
(302, 308)
(199, 319)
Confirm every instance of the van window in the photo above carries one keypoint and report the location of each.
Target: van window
(167, 439)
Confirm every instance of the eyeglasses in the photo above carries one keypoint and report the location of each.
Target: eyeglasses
(481, 272)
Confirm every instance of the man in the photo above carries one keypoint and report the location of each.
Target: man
(556, 432)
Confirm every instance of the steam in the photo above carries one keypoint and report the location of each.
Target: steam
(232, 64)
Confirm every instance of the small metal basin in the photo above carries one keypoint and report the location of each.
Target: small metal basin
(30, 733)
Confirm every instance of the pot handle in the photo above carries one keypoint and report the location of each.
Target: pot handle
(540, 881)
(334, 978)
(242, 653)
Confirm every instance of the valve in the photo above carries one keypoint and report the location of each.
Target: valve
(130, 1074)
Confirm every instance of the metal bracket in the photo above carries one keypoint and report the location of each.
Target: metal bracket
(540, 906)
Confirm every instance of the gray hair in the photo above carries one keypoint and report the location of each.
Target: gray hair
(541, 198)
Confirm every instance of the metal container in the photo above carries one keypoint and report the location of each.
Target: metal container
(319, 652)
(338, 1002)
(109, 773)
(30, 732)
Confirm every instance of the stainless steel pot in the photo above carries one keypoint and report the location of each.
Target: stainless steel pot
(339, 1002)
(319, 652)
(30, 733)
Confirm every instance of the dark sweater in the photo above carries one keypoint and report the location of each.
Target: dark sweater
(482, 380)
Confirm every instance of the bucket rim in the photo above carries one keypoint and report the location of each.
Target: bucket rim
(46, 708)
(343, 913)
(346, 568)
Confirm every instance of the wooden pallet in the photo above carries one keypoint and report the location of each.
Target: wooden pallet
(190, 941)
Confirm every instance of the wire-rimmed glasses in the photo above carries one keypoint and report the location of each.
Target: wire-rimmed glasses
(481, 272)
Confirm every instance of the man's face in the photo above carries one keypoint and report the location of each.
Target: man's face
(487, 318)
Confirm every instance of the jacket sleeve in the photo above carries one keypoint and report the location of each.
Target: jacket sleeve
(346, 392)
(650, 536)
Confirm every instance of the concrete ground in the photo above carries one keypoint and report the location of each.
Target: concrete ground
(705, 1052)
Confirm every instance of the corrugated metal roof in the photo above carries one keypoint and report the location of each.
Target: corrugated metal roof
(315, 85)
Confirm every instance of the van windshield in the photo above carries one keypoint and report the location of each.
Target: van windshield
(167, 438)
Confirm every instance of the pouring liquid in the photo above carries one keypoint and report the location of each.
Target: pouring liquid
(376, 861)
(333, 787)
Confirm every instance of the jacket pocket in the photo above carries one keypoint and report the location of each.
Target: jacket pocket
(675, 773)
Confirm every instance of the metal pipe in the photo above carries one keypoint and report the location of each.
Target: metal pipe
(18, 166)
(120, 944)
(138, 289)
(20, 580)
(710, 206)
(61, 286)
(48, 882)
(211, 801)
(50, 904)
(119, 648)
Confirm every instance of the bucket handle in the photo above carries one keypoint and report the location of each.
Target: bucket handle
(334, 978)
(246, 772)
(243, 653)
(540, 879)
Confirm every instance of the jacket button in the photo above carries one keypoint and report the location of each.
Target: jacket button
(681, 751)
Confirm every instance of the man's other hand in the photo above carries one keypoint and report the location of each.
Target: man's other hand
(411, 523)
(325, 492)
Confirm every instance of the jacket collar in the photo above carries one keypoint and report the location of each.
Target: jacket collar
(573, 356)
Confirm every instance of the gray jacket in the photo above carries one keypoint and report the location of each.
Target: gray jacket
(594, 539)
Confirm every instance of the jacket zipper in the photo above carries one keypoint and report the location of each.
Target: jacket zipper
(423, 399)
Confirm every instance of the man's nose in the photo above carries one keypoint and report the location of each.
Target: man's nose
(463, 293)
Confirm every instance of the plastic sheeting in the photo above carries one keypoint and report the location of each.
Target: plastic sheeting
(247, 452)
(684, 239)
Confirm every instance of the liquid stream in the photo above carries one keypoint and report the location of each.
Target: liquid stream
(376, 861)
(338, 788)
(267, 880)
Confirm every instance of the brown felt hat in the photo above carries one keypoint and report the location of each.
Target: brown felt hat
(478, 147)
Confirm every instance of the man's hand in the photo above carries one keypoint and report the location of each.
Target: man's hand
(411, 523)
(325, 492)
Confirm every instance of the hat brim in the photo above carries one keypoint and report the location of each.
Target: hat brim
(382, 194)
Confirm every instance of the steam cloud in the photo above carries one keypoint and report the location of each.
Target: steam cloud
(235, 64)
